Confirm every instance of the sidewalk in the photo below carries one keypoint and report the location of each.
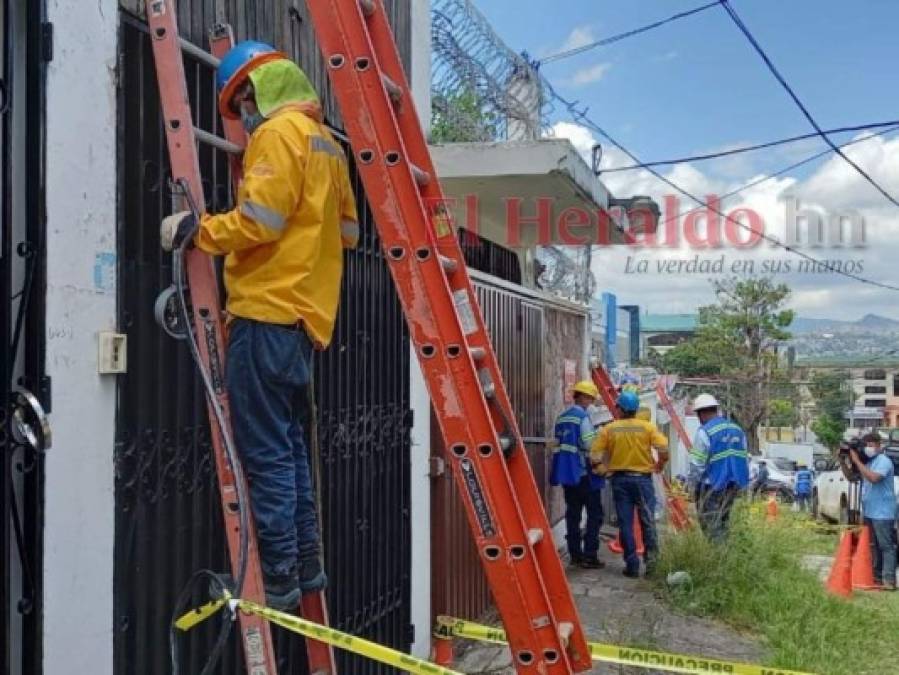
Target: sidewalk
(618, 610)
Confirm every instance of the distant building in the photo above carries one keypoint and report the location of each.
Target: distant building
(661, 332)
(876, 397)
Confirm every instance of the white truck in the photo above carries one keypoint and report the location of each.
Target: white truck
(833, 495)
(796, 453)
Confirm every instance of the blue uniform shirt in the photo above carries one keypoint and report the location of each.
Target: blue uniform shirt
(879, 499)
(574, 434)
(803, 482)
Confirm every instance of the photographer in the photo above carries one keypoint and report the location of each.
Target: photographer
(879, 508)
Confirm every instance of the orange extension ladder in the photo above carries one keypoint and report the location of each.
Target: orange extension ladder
(485, 449)
(470, 401)
(207, 335)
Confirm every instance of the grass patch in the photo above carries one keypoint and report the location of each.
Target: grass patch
(755, 582)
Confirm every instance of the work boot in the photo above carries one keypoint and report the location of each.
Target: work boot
(591, 563)
(574, 559)
(312, 577)
(631, 573)
(282, 593)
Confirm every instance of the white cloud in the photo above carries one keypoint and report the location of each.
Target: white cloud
(667, 56)
(590, 74)
(833, 186)
(580, 36)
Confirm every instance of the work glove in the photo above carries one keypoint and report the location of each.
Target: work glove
(175, 228)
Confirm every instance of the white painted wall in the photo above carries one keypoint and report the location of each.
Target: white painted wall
(420, 488)
(81, 300)
(420, 77)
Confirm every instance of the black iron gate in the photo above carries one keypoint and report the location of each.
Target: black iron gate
(23, 384)
(168, 522)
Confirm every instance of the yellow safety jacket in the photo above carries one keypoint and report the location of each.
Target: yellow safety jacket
(295, 214)
(629, 444)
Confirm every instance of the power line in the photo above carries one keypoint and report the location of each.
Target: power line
(761, 52)
(780, 172)
(581, 116)
(750, 148)
(615, 38)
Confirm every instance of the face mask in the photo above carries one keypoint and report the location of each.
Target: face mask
(251, 121)
(870, 451)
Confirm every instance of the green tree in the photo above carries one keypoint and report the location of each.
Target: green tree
(782, 413)
(736, 343)
(461, 118)
(832, 399)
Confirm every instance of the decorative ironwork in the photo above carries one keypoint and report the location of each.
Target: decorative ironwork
(168, 522)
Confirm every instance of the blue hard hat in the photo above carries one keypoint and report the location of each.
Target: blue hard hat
(236, 65)
(628, 401)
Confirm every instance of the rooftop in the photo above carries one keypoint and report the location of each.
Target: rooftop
(668, 323)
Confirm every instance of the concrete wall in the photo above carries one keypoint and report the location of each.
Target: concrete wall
(420, 488)
(81, 300)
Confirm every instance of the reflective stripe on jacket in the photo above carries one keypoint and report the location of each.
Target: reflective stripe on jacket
(295, 214)
(728, 459)
(569, 463)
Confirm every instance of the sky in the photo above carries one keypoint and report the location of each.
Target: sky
(697, 86)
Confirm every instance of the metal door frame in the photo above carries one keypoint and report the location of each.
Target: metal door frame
(22, 366)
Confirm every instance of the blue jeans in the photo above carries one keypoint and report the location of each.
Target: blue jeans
(883, 550)
(268, 371)
(633, 491)
(578, 498)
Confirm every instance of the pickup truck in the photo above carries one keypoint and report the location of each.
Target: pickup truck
(831, 493)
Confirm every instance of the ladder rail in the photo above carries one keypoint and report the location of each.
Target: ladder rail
(255, 633)
(443, 340)
(447, 244)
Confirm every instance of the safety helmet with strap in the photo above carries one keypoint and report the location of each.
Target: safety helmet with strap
(235, 68)
(628, 401)
(587, 388)
(704, 401)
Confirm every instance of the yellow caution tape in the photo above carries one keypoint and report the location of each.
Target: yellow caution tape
(631, 656)
(200, 614)
(309, 629)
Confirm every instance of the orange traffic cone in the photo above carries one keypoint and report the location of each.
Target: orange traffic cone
(862, 564)
(840, 580)
(615, 545)
(771, 509)
(442, 651)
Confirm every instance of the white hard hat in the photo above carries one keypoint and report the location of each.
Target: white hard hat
(704, 401)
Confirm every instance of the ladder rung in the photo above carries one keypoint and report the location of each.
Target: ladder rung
(368, 7)
(199, 54)
(505, 442)
(535, 535)
(566, 629)
(217, 142)
(422, 177)
(449, 266)
(477, 353)
(393, 89)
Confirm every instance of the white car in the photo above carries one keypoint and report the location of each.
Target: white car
(833, 495)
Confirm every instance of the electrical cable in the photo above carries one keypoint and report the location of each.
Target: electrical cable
(750, 148)
(581, 116)
(178, 273)
(780, 172)
(620, 36)
(780, 78)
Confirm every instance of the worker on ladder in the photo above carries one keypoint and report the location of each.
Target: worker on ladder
(624, 447)
(283, 244)
(581, 485)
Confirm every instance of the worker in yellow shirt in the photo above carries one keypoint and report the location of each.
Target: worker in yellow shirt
(625, 448)
(283, 245)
